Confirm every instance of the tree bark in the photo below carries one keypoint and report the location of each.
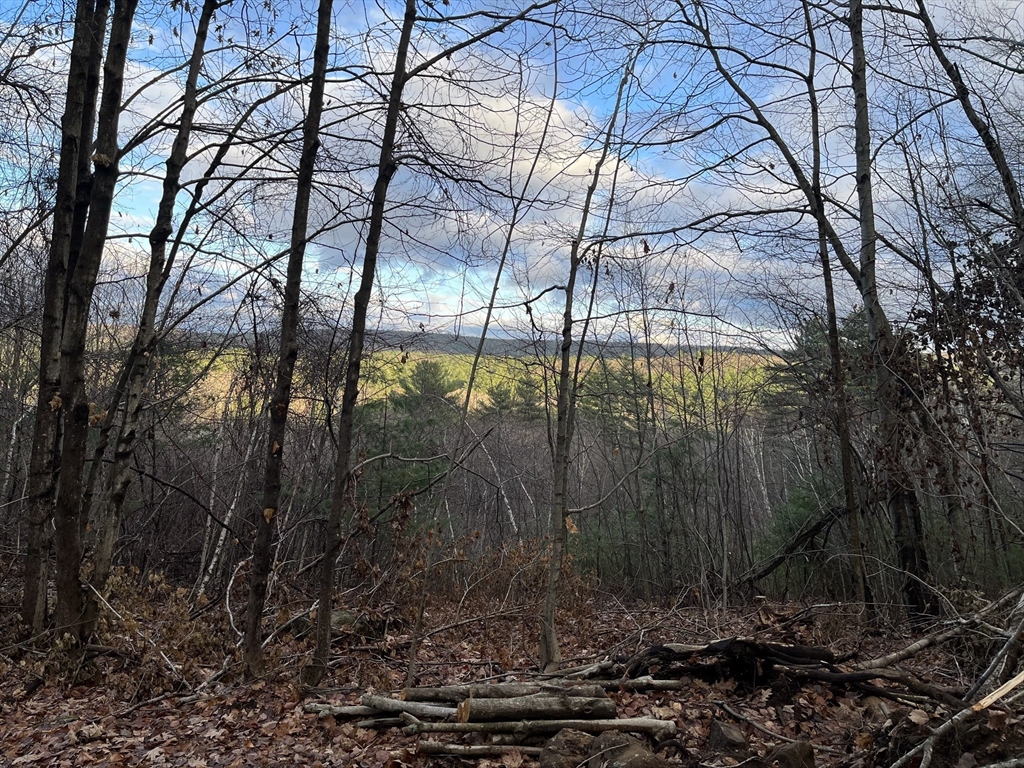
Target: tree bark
(76, 137)
(137, 368)
(70, 517)
(415, 708)
(842, 405)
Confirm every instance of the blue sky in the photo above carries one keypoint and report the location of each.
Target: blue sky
(530, 105)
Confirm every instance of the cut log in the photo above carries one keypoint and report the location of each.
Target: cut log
(474, 750)
(534, 707)
(646, 683)
(659, 729)
(355, 710)
(384, 704)
(588, 670)
(458, 693)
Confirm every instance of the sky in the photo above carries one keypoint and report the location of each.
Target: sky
(498, 145)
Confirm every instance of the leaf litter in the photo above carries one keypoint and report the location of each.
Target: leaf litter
(125, 705)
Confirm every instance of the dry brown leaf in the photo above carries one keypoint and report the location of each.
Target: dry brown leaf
(513, 758)
(919, 716)
(863, 740)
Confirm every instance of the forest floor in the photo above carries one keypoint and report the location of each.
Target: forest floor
(168, 689)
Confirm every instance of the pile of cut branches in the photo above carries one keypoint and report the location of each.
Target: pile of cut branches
(512, 714)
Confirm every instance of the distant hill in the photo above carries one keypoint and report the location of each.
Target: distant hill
(450, 344)
(496, 346)
(447, 344)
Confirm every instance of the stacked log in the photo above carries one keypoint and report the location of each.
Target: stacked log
(509, 712)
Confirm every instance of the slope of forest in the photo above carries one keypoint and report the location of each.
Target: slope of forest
(667, 352)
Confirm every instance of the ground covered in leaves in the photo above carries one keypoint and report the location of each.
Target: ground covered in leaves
(167, 687)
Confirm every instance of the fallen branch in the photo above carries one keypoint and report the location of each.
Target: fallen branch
(941, 636)
(476, 750)
(458, 693)
(646, 683)
(354, 710)
(379, 723)
(585, 671)
(927, 747)
(660, 729)
(1007, 657)
(949, 697)
(732, 712)
(916, 647)
(517, 611)
(742, 648)
(384, 704)
(998, 693)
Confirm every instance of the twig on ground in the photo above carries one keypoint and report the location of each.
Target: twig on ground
(194, 696)
(779, 736)
(751, 759)
(289, 623)
(934, 638)
(927, 746)
(996, 660)
(517, 611)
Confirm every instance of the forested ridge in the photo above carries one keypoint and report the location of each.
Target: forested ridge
(657, 367)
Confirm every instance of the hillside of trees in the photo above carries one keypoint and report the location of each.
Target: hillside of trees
(420, 312)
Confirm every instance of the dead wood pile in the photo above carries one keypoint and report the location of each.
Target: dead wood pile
(518, 715)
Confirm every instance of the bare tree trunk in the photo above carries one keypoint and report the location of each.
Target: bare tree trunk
(105, 524)
(281, 398)
(214, 560)
(386, 167)
(70, 517)
(209, 534)
(902, 498)
(550, 654)
(76, 138)
(842, 405)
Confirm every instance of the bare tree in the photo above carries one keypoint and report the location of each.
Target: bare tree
(70, 519)
(902, 502)
(566, 383)
(281, 397)
(76, 139)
